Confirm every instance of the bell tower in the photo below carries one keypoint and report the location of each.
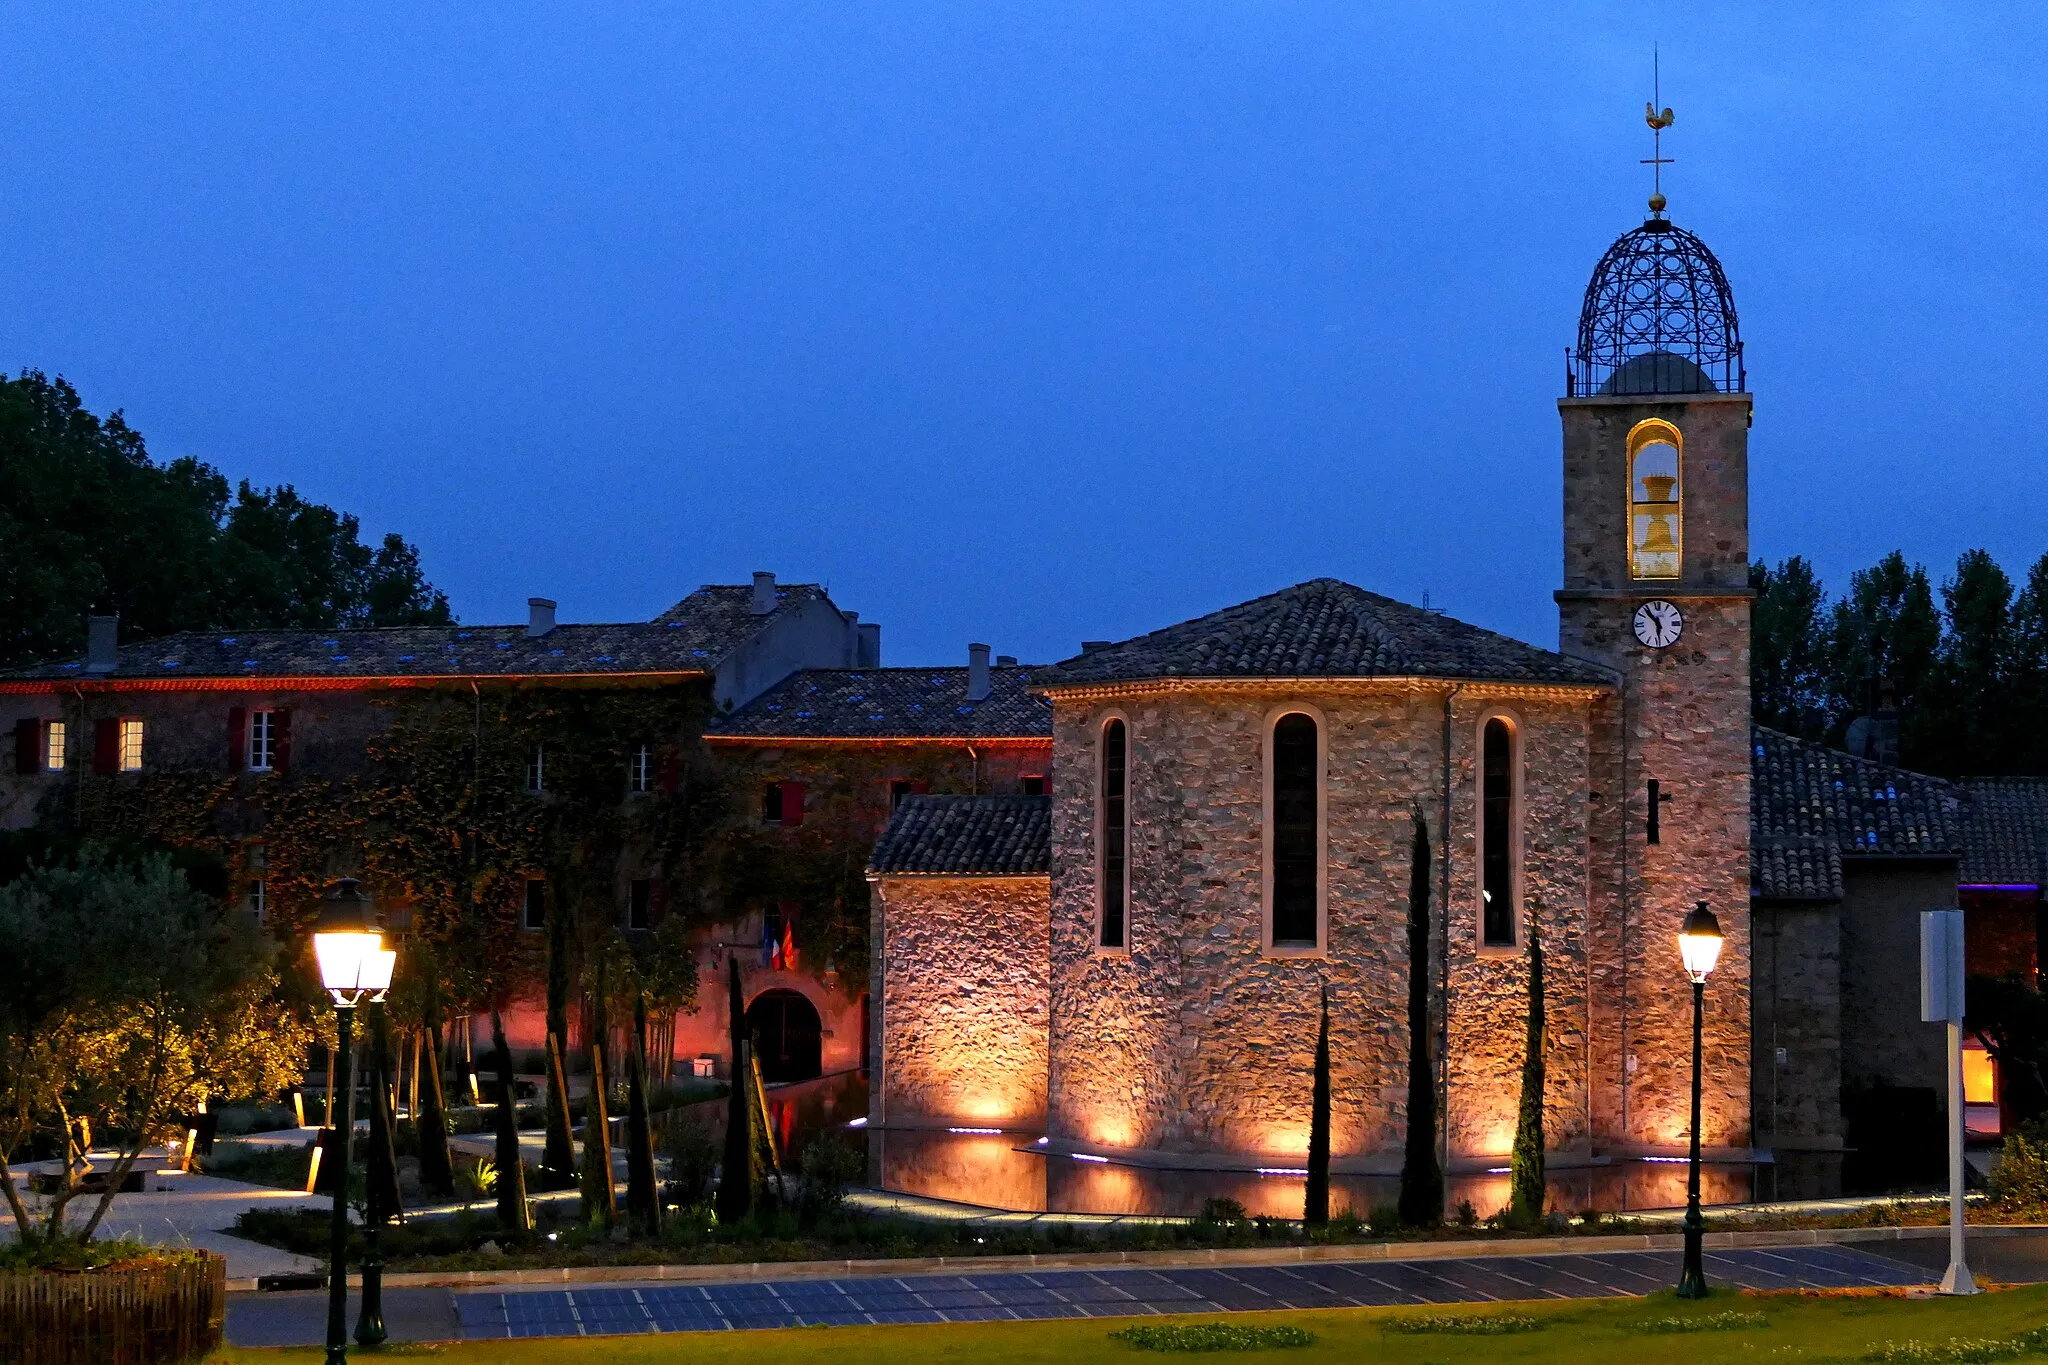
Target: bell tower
(1656, 419)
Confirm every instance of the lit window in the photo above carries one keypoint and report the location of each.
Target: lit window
(262, 740)
(534, 913)
(1656, 521)
(1296, 841)
(131, 746)
(640, 770)
(259, 906)
(640, 905)
(1498, 908)
(1116, 834)
(53, 747)
(537, 770)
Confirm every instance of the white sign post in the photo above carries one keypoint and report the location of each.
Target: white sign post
(1941, 1001)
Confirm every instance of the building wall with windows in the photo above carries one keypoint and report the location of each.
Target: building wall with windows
(1197, 1034)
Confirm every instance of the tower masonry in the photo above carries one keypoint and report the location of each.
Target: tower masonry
(1656, 549)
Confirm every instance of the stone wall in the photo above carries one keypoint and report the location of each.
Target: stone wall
(1883, 1040)
(960, 1032)
(1197, 1040)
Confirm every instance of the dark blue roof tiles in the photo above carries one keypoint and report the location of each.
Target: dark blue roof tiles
(2005, 832)
(966, 836)
(1811, 805)
(892, 703)
(1323, 629)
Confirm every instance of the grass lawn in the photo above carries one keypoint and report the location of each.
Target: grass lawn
(1584, 1332)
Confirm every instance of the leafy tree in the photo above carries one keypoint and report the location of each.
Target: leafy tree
(1882, 638)
(126, 998)
(1963, 723)
(2010, 1018)
(1422, 1179)
(88, 522)
(1316, 1212)
(1788, 673)
(2027, 698)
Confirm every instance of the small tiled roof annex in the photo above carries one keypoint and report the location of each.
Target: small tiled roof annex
(1812, 806)
(891, 703)
(966, 836)
(690, 637)
(2005, 831)
(1323, 628)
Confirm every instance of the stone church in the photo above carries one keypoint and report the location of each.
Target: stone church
(1133, 962)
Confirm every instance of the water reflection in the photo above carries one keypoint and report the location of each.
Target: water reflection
(1010, 1171)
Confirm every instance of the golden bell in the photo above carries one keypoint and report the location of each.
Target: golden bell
(1657, 537)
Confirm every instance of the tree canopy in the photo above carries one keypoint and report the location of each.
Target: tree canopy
(89, 523)
(1965, 666)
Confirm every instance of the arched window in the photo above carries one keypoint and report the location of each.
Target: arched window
(1114, 816)
(1499, 912)
(1655, 497)
(1296, 836)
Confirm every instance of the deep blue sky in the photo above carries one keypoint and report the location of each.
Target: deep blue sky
(1020, 322)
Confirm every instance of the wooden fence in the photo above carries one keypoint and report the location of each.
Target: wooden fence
(159, 1316)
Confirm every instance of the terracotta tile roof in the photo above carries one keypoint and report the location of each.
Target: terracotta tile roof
(966, 836)
(878, 703)
(1812, 806)
(1322, 629)
(690, 637)
(2005, 831)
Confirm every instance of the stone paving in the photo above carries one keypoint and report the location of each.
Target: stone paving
(427, 1314)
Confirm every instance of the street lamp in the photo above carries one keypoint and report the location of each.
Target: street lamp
(354, 963)
(1699, 944)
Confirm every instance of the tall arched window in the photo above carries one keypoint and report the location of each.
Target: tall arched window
(1499, 912)
(1296, 837)
(1116, 835)
(1656, 522)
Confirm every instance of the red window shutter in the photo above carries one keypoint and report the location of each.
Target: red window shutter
(792, 804)
(106, 747)
(28, 737)
(238, 738)
(281, 740)
(671, 771)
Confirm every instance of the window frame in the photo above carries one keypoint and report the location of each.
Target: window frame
(261, 759)
(124, 728)
(1112, 716)
(640, 770)
(537, 770)
(257, 900)
(56, 744)
(1518, 770)
(529, 899)
(1320, 949)
(1652, 431)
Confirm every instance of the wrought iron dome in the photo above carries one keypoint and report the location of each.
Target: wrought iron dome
(1658, 318)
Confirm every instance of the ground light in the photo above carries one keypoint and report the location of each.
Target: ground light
(354, 965)
(1699, 944)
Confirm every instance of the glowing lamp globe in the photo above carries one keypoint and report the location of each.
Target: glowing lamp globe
(348, 946)
(1699, 942)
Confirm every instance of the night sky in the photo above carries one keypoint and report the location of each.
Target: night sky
(1025, 323)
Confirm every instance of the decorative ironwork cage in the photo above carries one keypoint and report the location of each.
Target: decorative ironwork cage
(1658, 318)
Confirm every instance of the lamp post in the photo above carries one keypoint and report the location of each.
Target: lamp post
(353, 964)
(1699, 944)
(370, 1318)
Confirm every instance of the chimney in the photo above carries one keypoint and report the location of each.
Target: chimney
(1090, 646)
(540, 617)
(764, 592)
(869, 654)
(101, 634)
(977, 672)
(1006, 661)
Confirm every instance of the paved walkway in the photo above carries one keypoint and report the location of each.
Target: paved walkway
(191, 1210)
(440, 1314)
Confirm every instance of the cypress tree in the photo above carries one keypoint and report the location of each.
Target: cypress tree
(643, 1204)
(558, 1154)
(736, 1169)
(1422, 1180)
(511, 1174)
(1525, 1164)
(1317, 1213)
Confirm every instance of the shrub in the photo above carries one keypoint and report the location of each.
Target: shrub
(2020, 1180)
(692, 1161)
(1468, 1217)
(1466, 1324)
(1221, 1211)
(268, 1163)
(829, 1166)
(1385, 1219)
(1210, 1336)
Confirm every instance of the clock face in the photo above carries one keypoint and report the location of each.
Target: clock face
(1659, 624)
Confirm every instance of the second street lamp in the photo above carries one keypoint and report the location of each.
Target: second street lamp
(1699, 944)
(354, 963)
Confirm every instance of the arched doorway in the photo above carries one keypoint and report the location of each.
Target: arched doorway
(788, 1036)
